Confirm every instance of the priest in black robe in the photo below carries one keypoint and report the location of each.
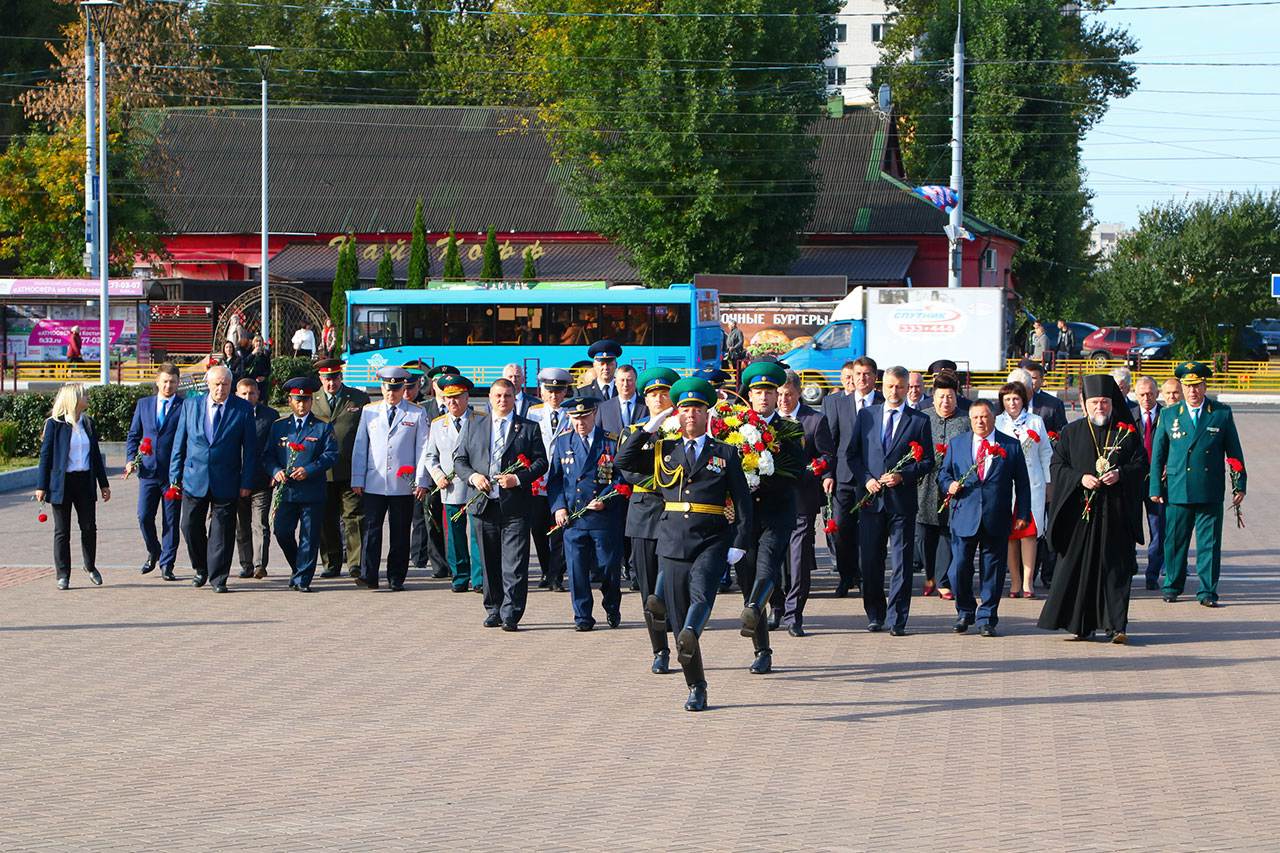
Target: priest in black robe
(1099, 473)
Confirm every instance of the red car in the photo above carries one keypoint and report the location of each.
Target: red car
(1115, 341)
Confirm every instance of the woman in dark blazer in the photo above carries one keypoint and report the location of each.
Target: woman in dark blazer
(70, 466)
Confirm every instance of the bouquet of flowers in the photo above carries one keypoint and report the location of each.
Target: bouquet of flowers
(294, 449)
(915, 452)
(1236, 469)
(144, 449)
(1122, 430)
(522, 461)
(619, 490)
(742, 427)
(817, 467)
(992, 450)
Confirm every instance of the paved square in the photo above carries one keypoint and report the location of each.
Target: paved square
(145, 715)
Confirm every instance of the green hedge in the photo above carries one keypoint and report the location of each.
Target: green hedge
(9, 432)
(110, 406)
(285, 368)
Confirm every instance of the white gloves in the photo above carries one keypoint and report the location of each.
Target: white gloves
(736, 554)
(655, 422)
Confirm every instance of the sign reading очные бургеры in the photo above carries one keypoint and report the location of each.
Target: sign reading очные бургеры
(776, 326)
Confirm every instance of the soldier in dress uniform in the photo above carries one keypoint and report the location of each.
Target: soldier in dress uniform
(724, 397)
(384, 466)
(339, 406)
(299, 451)
(582, 471)
(553, 420)
(696, 476)
(437, 545)
(604, 357)
(416, 387)
(643, 514)
(773, 509)
(1189, 454)
(451, 493)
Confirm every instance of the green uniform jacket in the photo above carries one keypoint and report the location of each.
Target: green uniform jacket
(345, 420)
(1193, 460)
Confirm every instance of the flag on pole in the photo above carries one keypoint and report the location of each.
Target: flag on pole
(943, 198)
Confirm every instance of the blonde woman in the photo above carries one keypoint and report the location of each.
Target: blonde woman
(70, 466)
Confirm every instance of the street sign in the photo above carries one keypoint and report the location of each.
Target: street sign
(1275, 284)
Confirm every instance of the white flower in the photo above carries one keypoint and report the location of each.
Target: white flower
(766, 463)
(753, 481)
(749, 433)
(671, 424)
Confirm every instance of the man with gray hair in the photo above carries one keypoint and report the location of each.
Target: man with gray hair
(1148, 418)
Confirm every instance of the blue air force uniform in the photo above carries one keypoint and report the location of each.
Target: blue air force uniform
(301, 506)
(581, 471)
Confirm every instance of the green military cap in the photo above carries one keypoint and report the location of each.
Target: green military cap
(763, 374)
(1193, 372)
(451, 384)
(692, 391)
(656, 379)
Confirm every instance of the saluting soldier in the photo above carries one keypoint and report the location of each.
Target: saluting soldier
(298, 452)
(1192, 444)
(773, 511)
(339, 406)
(696, 476)
(582, 471)
(553, 420)
(384, 466)
(643, 514)
(453, 492)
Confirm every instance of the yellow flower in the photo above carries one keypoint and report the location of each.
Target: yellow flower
(733, 422)
(734, 438)
(750, 461)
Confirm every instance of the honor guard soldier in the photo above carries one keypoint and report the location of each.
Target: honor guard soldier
(773, 511)
(384, 465)
(582, 471)
(553, 420)
(697, 477)
(645, 511)
(450, 492)
(1194, 442)
(604, 356)
(298, 453)
(339, 405)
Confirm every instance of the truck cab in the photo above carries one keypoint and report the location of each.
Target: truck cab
(830, 348)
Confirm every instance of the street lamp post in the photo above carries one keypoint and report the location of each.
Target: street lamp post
(90, 156)
(99, 11)
(264, 53)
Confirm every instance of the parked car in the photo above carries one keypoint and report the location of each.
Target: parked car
(1249, 344)
(1116, 341)
(1161, 347)
(1269, 329)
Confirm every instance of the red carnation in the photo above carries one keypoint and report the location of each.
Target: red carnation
(405, 471)
(940, 448)
(145, 447)
(172, 493)
(1053, 436)
(623, 489)
(997, 450)
(42, 518)
(759, 446)
(1236, 466)
(766, 436)
(298, 448)
(830, 526)
(917, 450)
(524, 460)
(1033, 435)
(817, 466)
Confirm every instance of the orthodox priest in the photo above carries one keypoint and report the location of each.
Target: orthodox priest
(1099, 474)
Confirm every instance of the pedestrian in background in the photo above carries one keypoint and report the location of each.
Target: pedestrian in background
(70, 465)
(304, 341)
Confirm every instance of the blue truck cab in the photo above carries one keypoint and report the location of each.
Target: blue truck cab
(833, 345)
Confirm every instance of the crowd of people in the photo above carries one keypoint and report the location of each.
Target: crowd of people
(691, 483)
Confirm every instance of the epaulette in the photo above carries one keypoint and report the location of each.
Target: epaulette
(537, 406)
(612, 436)
(370, 405)
(440, 417)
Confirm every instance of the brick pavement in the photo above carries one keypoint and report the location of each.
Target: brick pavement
(145, 715)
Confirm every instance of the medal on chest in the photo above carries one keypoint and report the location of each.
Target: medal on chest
(604, 469)
(1175, 431)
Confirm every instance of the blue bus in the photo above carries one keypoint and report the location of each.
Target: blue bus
(480, 329)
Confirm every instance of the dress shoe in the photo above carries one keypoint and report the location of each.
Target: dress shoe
(559, 586)
(1170, 598)
(961, 625)
(396, 587)
(96, 579)
(875, 627)
(462, 588)
(775, 619)
(303, 588)
(220, 587)
(478, 589)
(762, 665)
(440, 574)
(1152, 586)
(686, 646)
(493, 620)
(661, 663)
(259, 574)
(725, 586)
(64, 583)
(330, 573)
(544, 584)
(510, 627)
(199, 580)
(842, 589)
(1204, 602)
(697, 700)
(750, 619)
(930, 588)
(987, 631)
(353, 573)
(614, 619)
(149, 566)
(895, 631)
(1120, 638)
(947, 595)
(167, 574)
(246, 573)
(358, 580)
(796, 631)
(583, 626)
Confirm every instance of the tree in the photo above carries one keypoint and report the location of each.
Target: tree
(686, 137)
(346, 277)
(530, 271)
(1036, 81)
(491, 265)
(28, 23)
(419, 256)
(452, 263)
(1198, 269)
(386, 279)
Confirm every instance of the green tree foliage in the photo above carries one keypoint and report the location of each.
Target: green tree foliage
(419, 255)
(685, 136)
(1036, 81)
(452, 263)
(24, 59)
(1191, 266)
(346, 277)
(386, 278)
(530, 271)
(491, 263)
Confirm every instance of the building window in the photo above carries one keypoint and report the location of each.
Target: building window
(989, 260)
(878, 32)
(835, 75)
(842, 33)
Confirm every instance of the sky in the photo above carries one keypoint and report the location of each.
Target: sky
(1189, 131)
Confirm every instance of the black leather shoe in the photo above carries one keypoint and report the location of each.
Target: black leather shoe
(199, 581)
(961, 625)
(64, 583)
(246, 573)
(353, 573)
(762, 665)
(559, 586)
(220, 587)
(775, 620)
(635, 584)
(895, 631)
(358, 580)
(397, 587)
(797, 631)
(614, 619)
(510, 627)
(1170, 598)
(544, 584)
(725, 586)
(686, 646)
(583, 626)
(167, 574)
(1152, 586)
(842, 589)
(1204, 602)
(987, 631)
(493, 620)
(875, 627)
(96, 579)
(697, 700)
(149, 566)
(440, 574)
(661, 663)
(750, 619)
(330, 573)
(303, 588)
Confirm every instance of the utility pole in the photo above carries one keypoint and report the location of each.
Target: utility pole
(90, 157)
(263, 53)
(955, 228)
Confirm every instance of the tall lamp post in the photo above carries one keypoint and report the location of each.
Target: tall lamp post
(264, 54)
(99, 11)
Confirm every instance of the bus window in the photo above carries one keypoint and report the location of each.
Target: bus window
(519, 325)
(614, 325)
(375, 327)
(588, 317)
(422, 325)
(671, 325)
(480, 323)
(572, 325)
(640, 325)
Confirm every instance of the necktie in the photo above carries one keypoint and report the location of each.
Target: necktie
(1147, 418)
(217, 420)
(457, 424)
(332, 400)
(499, 442)
(626, 418)
(1195, 416)
(690, 453)
(982, 458)
(164, 410)
(297, 425)
(555, 421)
(391, 415)
(606, 391)
(887, 438)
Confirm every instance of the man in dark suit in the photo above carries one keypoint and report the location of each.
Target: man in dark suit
(604, 356)
(982, 483)
(154, 425)
(339, 406)
(253, 513)
(213, 464)
(299, 449)
(811, 494)
(626, 407)
(1148, 419)
(858, 381)
(525, 397)
(500, 454)
(886, 434)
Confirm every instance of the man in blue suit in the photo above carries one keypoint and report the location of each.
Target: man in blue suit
(299, 450)
(582, 469)
(841, 409)
(154, 425)
(985, 475)
(885, 434)
(213, 465)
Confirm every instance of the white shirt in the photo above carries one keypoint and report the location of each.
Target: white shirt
(612, 392)
(861, 401)
(794, 414)
(884, 421)
(160, 407)
(304, 339)
(208, 416)
(989, 440)
(78, 459)
(1144, 414)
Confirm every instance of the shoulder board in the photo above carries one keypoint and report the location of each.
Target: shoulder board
(612, 436)
(537, 406)
(634, 427)
(440, 417)
(370, 405)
